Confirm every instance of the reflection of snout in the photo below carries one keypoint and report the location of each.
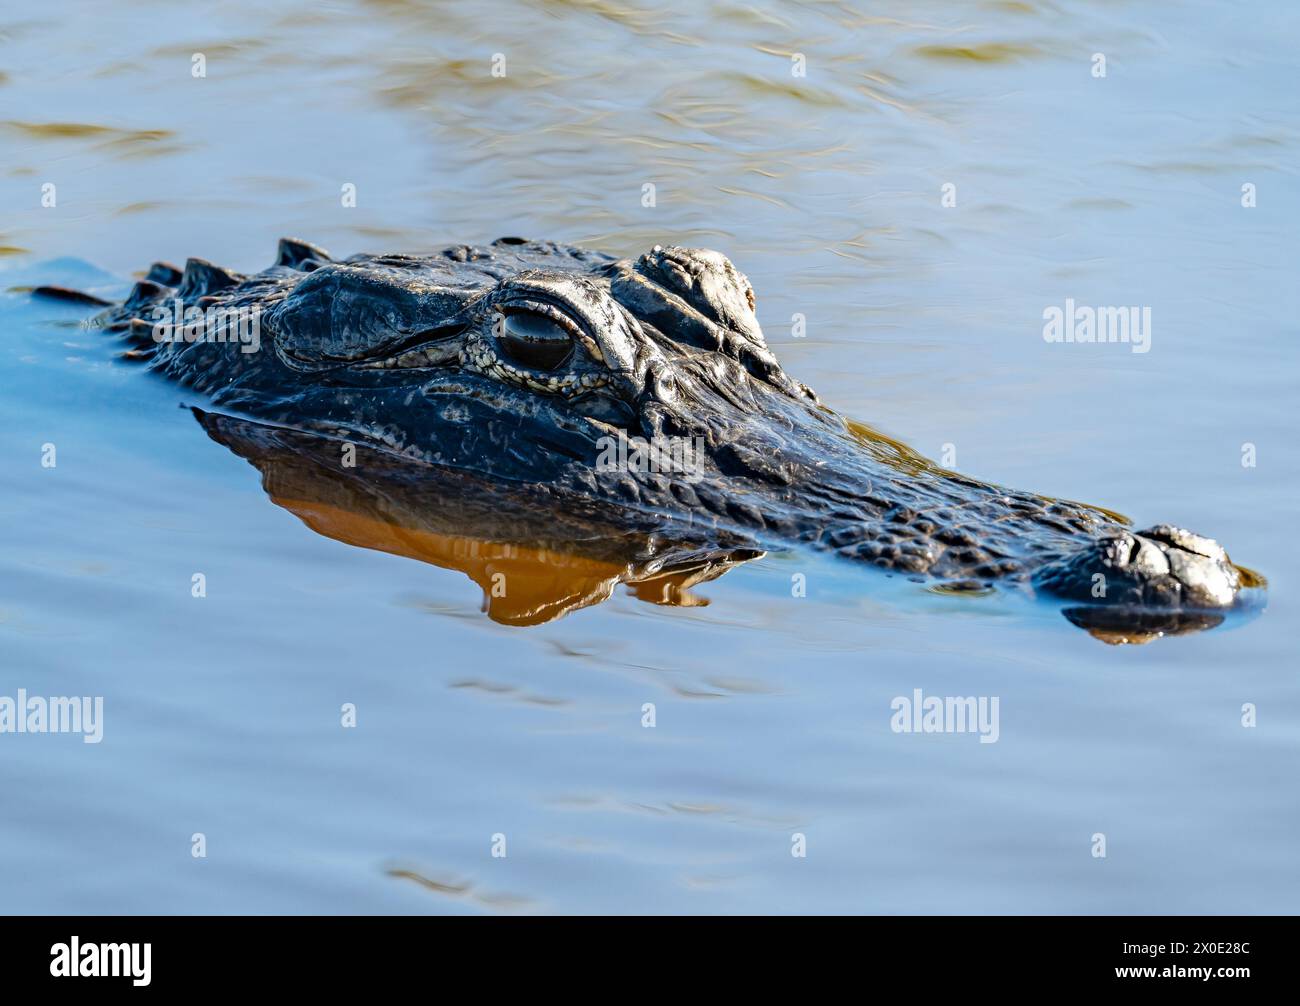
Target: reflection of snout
(1121, 625)
(1161, 567)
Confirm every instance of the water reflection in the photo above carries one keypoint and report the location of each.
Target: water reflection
(921, 317)
(535, 558)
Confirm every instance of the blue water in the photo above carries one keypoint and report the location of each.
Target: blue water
(222, 713)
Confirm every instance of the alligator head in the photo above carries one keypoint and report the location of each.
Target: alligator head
(646, 385)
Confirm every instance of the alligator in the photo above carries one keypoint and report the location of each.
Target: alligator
(644, 387)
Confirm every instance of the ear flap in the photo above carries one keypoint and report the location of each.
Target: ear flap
(343, 314)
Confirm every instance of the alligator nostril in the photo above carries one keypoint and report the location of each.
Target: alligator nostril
(1180, 538)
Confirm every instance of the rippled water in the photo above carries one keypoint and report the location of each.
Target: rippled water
(222, 713)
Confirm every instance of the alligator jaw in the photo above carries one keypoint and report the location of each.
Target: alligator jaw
(964, 536)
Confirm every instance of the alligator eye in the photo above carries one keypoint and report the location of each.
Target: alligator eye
(533, 340)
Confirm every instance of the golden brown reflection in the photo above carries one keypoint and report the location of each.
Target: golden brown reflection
(122, 142)
(459, 889)
(1122, 626)
(541, 584)
(534, 563)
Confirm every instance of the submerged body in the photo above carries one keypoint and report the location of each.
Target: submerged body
(642, 386)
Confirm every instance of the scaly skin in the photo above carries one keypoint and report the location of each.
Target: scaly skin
(513, 361)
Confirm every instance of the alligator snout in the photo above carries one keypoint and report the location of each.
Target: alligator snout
(1161, 567)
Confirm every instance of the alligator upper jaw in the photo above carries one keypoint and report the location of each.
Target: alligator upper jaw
(1120, 585)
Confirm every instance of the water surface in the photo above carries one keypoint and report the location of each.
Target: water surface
(222, 713)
